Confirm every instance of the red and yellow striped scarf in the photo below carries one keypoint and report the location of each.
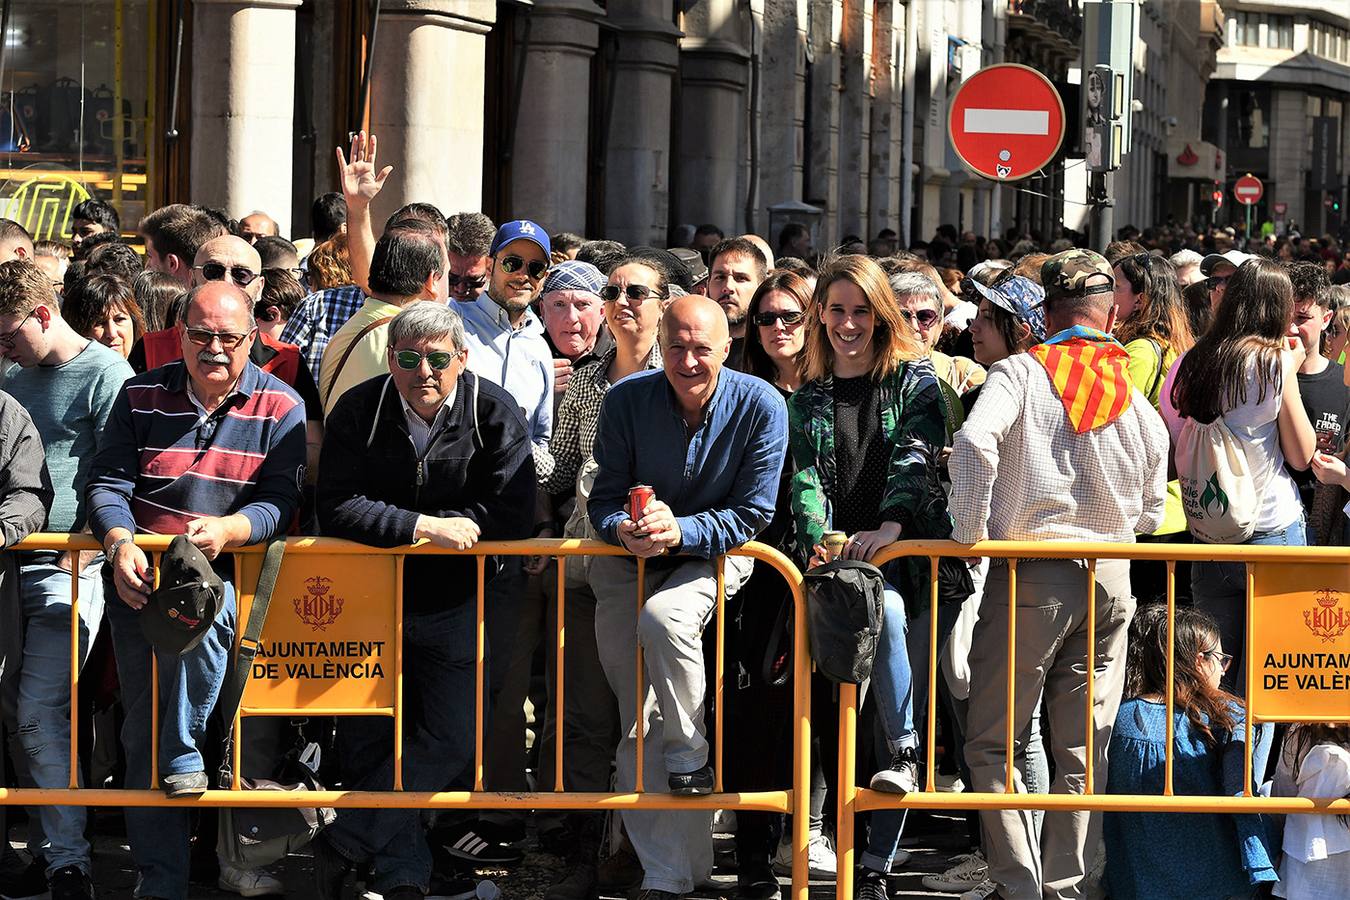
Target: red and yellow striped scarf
(1088, 369)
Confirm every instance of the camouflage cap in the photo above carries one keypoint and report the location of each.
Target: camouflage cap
(1066, 274)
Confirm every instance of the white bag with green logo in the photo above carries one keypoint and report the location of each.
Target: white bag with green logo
(1219, 492)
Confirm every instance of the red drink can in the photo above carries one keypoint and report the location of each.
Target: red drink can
(639, 495)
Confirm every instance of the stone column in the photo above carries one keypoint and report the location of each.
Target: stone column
(548, 174)
(243, 101)
(823, 149)
(713, 102)
(854, 108)
(783, 98)
(1288, 135)
(637, 157)
(426, 101)
(883, 171)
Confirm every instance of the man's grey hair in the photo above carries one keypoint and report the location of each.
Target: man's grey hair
(470, 234)
(916, 284)
(1183, 258)
(426, 320)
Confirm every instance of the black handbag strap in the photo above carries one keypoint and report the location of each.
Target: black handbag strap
(232, 692)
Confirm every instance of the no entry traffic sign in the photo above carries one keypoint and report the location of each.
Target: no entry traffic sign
(1248, 190)
(1006, 122)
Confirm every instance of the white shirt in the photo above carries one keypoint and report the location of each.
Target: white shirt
(1316, 860)
(1021, 473)
(1256, 424)
(419, 429)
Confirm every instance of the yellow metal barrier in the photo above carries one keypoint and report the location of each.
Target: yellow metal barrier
(317, 608)
(1282, 571)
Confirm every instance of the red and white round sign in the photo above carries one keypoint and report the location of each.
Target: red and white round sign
(1006, 122)
(1248, 190)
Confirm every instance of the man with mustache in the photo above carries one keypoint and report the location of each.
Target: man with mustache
(212, 447)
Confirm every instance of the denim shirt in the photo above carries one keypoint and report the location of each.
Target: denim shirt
(720, 480)
(517, 359)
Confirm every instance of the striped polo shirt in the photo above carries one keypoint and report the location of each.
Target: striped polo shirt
(164, 461)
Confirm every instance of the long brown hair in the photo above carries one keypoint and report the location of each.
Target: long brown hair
(757, 361)
(1160, 314)
(893, 342)
(1248, 329)
(1208, 708)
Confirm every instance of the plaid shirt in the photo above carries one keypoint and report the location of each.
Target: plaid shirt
(317, 318)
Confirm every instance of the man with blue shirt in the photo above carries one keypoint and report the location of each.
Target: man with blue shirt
(710, 441)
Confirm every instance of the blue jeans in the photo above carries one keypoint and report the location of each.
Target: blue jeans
(44, 694)
(188, 688)
(1220, 589)
(893, 691)
(438, 689)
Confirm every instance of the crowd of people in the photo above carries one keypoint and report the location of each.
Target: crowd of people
(454, 380)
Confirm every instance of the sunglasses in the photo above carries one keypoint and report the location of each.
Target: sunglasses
(638, 293)
(513, 264)
(770, 319)
(472, 282)
(229, 340)
(240, 275)
(439, 360)
(924, 317)
(1223, 659)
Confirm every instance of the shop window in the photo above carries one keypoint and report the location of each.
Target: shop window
(75, 110)
(1280, 32)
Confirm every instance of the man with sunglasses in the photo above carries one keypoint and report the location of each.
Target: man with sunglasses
(425, 450)
(467, 244)
(1217, 269)
(213, 448)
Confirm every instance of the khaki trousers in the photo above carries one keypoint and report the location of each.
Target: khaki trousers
(1051, 655)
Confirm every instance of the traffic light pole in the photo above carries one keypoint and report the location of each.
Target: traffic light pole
(1100, 185)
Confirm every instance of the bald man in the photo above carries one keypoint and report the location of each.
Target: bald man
(232, 259)
(710, 442)
(258, 224)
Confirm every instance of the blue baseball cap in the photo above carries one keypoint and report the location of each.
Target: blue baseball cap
(1021, 297)
(521, 230)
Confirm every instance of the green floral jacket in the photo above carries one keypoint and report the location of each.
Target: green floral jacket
(914, 418)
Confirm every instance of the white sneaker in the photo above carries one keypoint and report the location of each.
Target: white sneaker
(970, 870)
(948, 784)
(724, 821)
(249, 882)
(902, 776)
(982, 891)
(821, 862)
(900, 860)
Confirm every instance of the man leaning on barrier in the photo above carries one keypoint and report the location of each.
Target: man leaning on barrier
(710, 442)
(211, 447)
(426, 452)
(1060, 447)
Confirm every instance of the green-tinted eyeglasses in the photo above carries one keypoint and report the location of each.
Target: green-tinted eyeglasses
(437, 359)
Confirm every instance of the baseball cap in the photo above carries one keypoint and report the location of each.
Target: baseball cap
(1019, 296)
(573, 275)
(521, 230)
(693, 261)
(1066, 274)
(1234, 258)
(189, 597)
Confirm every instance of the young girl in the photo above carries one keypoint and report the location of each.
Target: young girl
(1162, 854)
(1244, 370)
(1315, 762)
(865, 433)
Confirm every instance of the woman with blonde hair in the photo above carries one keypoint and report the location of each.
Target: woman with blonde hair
(866, 431)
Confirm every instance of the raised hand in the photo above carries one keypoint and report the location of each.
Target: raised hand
(361, 181)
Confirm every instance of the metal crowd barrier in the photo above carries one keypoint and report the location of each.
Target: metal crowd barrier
(332, 553)
(1284, 573)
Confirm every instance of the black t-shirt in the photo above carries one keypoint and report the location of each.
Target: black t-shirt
(1327, 401)
(860, 456)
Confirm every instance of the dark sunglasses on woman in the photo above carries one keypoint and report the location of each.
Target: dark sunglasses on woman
(769, 319)
(635, 292)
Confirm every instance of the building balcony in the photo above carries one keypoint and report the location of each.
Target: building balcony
(1057, 23)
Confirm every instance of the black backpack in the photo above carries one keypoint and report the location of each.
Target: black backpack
(844, 601)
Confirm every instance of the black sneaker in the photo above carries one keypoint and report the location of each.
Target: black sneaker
(690, 784)
(903, 775)
(578, 882)
(871, 885)
(71, 883)
(471, 843)
(756, 881)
